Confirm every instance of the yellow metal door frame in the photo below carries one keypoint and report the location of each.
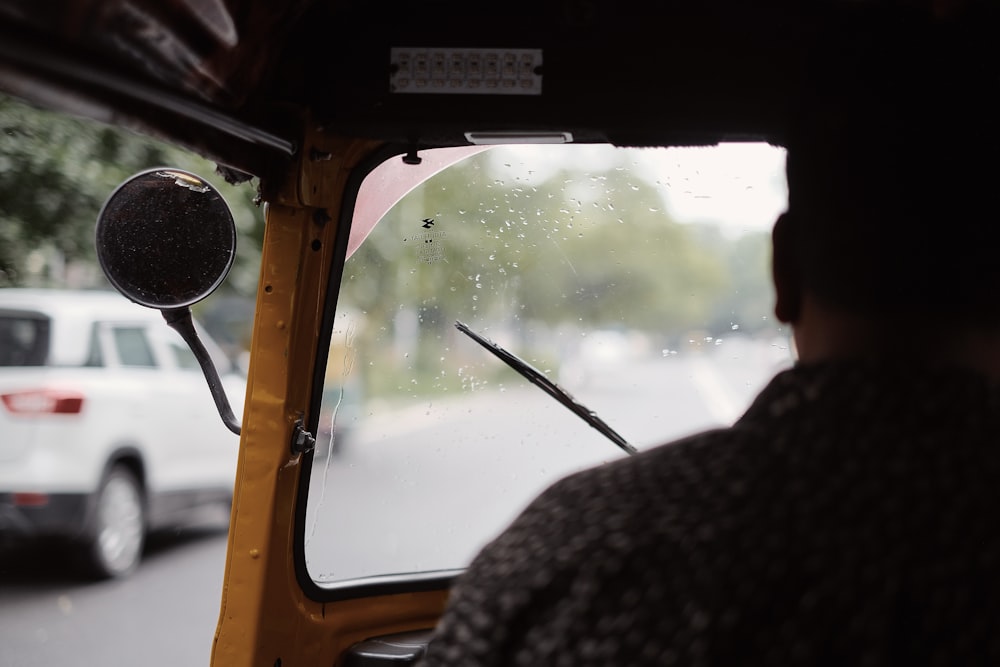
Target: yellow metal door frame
(266, 620)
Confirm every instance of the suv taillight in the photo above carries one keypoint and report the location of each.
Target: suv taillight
(43, 402)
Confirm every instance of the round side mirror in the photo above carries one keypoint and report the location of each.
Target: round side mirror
(166, 238)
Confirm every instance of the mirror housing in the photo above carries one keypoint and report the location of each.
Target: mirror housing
(166, 239)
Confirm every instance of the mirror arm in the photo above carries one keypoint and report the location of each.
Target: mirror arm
(179, 319)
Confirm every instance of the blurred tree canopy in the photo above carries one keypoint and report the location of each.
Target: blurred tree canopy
(56, 172)
(587, 246)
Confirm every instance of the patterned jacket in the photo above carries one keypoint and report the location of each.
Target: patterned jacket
(850, 517)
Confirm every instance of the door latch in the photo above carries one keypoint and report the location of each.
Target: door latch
(302, 440)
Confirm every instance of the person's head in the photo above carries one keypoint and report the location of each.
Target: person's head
(892, 223)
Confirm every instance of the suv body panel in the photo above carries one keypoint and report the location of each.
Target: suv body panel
(160, 417)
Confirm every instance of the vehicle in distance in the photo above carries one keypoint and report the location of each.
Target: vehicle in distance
(107, 427)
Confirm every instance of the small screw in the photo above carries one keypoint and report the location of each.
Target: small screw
(321, 217)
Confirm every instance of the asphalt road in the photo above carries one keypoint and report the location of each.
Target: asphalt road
(423, 488)
(421, 515)
(165, 614)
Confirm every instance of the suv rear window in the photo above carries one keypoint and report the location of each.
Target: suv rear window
(24, 339)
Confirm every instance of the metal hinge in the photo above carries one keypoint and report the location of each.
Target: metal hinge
(302, 440)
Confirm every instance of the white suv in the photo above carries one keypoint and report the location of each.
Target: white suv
(107, 426)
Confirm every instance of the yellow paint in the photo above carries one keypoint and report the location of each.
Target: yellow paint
(265, 616)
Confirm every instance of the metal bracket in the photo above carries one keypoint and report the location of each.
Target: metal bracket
(302, 440)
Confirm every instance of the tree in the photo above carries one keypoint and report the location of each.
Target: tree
(747, 303)
(56, 172)
(522, 254)
(553, 249)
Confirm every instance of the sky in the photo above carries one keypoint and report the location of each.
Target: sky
(738, 186)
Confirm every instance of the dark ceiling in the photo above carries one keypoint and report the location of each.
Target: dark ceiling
(234, 79)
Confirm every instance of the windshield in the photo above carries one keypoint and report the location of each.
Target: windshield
(635, 279)
(24, 339)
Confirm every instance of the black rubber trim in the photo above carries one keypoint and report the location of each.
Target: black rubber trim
(63, 515)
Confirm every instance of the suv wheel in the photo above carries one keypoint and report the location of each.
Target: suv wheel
(119, 527)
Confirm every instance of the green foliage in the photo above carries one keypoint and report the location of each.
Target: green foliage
(56, 172)
(747, 302)
(581, 249)
(595, 248)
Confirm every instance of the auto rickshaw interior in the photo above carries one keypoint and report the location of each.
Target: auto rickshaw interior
(350, 114)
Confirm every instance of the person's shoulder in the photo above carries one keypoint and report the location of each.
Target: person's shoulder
(576, 513)
(625, 511)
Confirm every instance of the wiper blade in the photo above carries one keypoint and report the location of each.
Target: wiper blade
(537, 378)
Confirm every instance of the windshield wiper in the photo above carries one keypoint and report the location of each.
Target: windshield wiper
(537, 378)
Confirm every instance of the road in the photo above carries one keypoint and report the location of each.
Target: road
(423, 488)
(164, 615)
(416, 490)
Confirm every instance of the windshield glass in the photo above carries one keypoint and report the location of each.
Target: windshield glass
(24, 339)
(637, 280)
